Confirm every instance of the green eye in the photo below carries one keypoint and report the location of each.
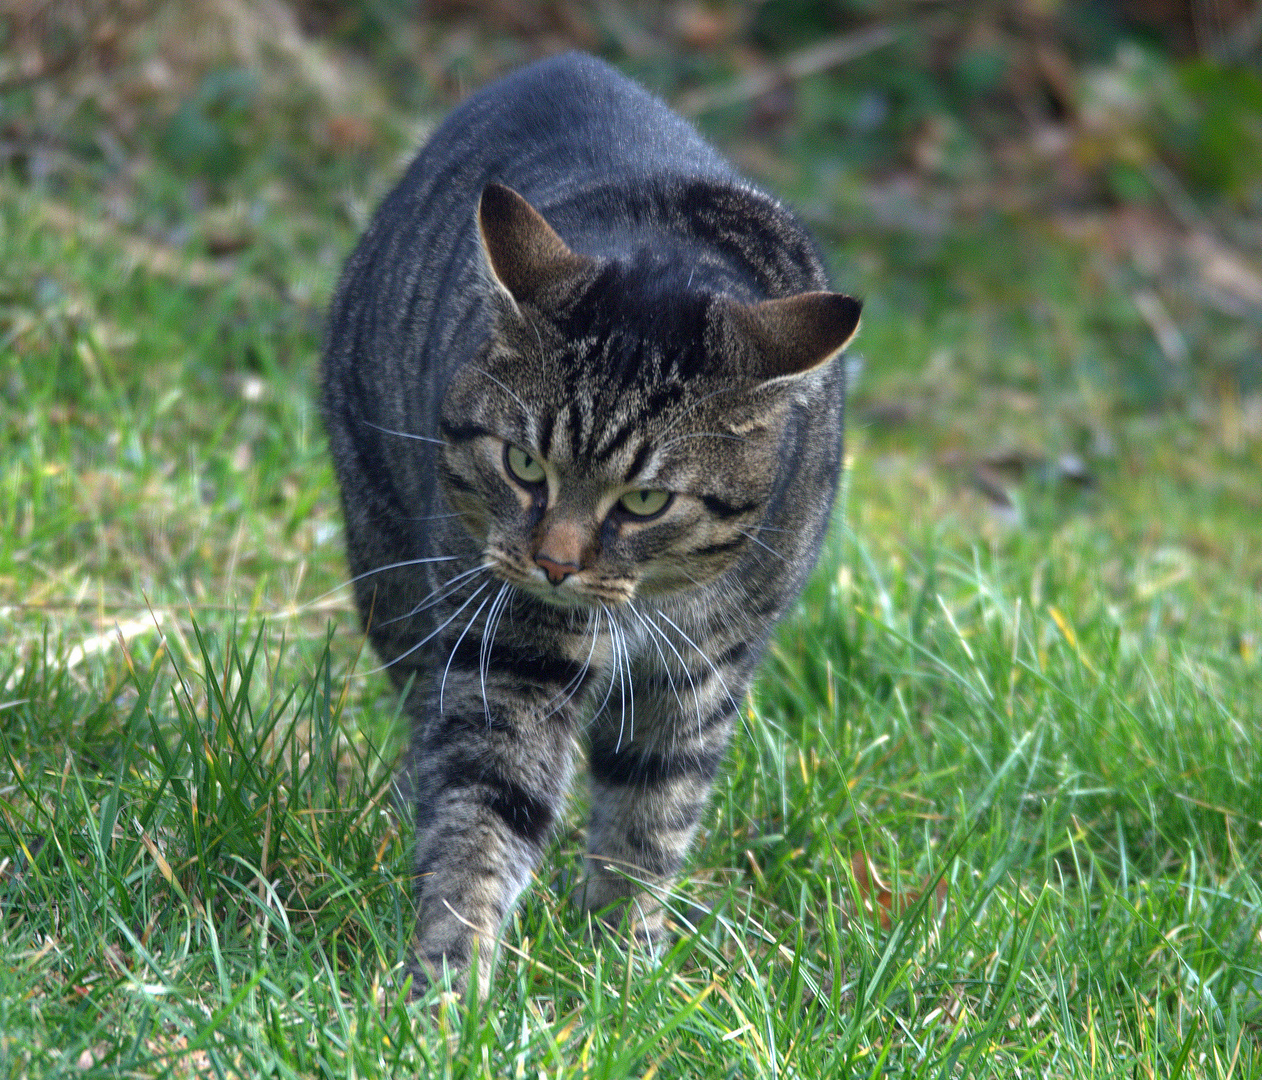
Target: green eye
(522, 467)
(645, 503)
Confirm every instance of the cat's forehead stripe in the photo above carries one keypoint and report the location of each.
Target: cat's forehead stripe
(577, 423)
(638, 462)
(617, 437)
(546, 428)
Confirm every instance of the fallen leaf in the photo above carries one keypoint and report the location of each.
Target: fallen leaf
(881, 900)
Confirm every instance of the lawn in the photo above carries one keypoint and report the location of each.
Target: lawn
(996, 808)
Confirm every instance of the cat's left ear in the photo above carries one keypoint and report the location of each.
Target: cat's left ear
(524, 254)
(796, 334)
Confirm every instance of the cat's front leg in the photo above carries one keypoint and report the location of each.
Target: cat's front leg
(490, 775)
(651, 773)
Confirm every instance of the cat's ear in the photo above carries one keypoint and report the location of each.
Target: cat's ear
(524, 255)
(798, 333)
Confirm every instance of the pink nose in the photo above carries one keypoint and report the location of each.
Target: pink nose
(557, 571)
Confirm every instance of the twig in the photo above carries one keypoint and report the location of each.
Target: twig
(1175, 196)
(827, 54)
(1169, 337)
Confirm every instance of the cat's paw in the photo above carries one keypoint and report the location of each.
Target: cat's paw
(426, 975)
(450, 980)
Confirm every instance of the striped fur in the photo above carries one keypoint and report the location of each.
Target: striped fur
(582, 393)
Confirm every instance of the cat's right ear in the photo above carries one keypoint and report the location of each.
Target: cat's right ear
(795, 334)
(524, 255)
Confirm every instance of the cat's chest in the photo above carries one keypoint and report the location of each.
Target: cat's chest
(643, 643)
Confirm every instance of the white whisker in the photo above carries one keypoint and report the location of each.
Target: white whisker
(432, 633)
(433, 517)
(700, 652)
(696, 696)
(697, 649)
(379, 570)
(751, 536)
(661, 655)
(405, 434)
(700, 401)
(439, 594)
(524, 407)
(701, 435)
(613, 644)
(623, 665)
(626, 660)
(472, 619)
(488, 640)
(593, 616)
(535, 328)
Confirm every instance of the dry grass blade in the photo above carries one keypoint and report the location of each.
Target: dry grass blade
(810, 61)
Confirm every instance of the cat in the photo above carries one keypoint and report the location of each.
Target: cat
(582, 389)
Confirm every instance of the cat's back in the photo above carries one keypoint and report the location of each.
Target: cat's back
(557, 132)
(559, 125)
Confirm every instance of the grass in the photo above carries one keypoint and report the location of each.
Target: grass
(997, 805)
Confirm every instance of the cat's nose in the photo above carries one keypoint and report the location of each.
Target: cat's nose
(560, 550)
(557, 571)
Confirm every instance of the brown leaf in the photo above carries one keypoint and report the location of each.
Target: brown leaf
(1225, 270)
(879, 899)
(346, 133)
(700, 26)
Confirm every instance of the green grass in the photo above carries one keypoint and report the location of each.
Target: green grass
(996, 809)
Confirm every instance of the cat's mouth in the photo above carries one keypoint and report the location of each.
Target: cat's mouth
(561, 586)
(575, 592)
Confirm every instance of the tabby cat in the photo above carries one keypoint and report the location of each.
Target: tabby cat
(582, 388)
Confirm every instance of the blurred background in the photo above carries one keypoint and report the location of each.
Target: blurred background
(1052, 208)
(934, 147)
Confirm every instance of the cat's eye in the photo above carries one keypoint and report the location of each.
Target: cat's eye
(645, 503)
(522, 466)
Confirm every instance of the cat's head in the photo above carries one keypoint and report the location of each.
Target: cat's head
(621, 433)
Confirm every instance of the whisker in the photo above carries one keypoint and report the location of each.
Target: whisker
(535, 328)
(700, 652)
(405, 434)
(702, 435)
(661, 655)
(655, 632)
(472, 619)
(696, 696)
(436, 630)
(448, 587)
(700, 401)
(751, 536)
(713, 667)
(488, 640)
(507, 390)
(619, 660)
(626, 661)
(685, 573)
(593, 616)
(612, 675)
(379, 570)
